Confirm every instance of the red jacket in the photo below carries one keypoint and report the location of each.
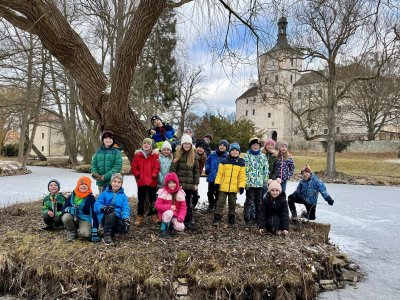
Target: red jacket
(145, 169)
(164, 202)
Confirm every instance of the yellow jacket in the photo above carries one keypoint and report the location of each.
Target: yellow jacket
(231, 175)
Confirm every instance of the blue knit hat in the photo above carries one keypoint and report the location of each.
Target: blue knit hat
(234, 146)
(56, 182)
(225, 143)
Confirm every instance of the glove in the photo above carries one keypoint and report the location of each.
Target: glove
(241, 191)
(127, 224)
(329, 200)
(107, 209)
(95, 236)
(96, 176)
(71, 210)
(216, 187)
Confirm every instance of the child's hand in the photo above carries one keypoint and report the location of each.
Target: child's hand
(282, 232)
(152, 131)
(50, 213)
(173, 207)
(261, 230)
(195, 187)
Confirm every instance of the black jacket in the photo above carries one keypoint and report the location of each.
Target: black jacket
(274, 214)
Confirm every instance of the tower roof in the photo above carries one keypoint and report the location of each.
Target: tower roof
(282, 42)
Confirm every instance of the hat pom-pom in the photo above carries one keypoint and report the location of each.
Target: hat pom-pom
(279, 180)
(269, 181)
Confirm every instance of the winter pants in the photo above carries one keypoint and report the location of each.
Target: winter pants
(253, 197)
(189, 205)
(151, 192)
(112, 223)
(56, 221)
(283, 185)
(222, 201)
(72, 224)
(295, 198)
(195, 198)
(212, 195)
(168, 216)
(101, 188)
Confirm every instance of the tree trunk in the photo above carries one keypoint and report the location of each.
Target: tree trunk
(331, 122)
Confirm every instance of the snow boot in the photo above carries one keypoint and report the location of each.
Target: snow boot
(48, 227)
(165, 230)
(217, 219)
(231, 219)
(107, 239)
(294, 214)
(71, 236)
(154, 219)
(139, 220)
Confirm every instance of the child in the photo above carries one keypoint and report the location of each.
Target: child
(78, 212)
(285, 165)
(186, 166)
(106, 161)
(112, 209)
(256, 177)
(171, 205)
(208, 138)
(272, 157)
(211, 171)
(231, 179)
(161, 132)
(52, 206)
(307, 193)
(202, 158)
(165, 162)
(145, 167)
(274, 213)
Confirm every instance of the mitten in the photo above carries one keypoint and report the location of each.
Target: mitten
(127, 224)
(95, 236)
(96, 176)
(72, 210)
(241, 191)
(216, 187)
(329, 200)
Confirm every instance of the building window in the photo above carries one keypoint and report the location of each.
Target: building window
(247, 112)
(269, 115)
(42, 148)
(272, 124)
(276, 78)
(310, 94)
(325, 131)
(291, 78)
(339, 109)
(320, 93)
(42, 135)
(290, 95)
(266, 80)
(299, 95)
(291, 62)
(312, 131)
(295, 132)
(276, 94)
(254, 111)
(337, 129)
(247, 101)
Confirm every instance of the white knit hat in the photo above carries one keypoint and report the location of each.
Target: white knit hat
(186, 139)
(273, 184)
(166, 145)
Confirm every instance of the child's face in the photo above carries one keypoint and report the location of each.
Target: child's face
(283, 148)
(255, 147)
(270, 147)
(53, 188)
(83, 188)
(116, 184)
(200, 150)
(234, 153)
(222, 148)
(146, 146)
(186, 146)
(166, 151)
(274, 193)
(306, 176)
(207, 140)
(108, 142)
(172, 184)
(157, 123)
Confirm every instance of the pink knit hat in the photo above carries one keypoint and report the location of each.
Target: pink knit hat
(171, 177)
(269, 141)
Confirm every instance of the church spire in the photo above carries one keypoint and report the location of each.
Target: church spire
(282, 42)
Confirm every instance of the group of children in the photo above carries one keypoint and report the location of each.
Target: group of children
(170, 184)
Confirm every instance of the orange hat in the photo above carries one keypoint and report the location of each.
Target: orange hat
(83, 180)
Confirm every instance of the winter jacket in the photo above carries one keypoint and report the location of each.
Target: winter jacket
(105, 162)
(256, 169)
(188, 175)
(116, 199)
(165, 164)
(53, 203)
(272, 165)
(231, 175)
(85, 209)
(166, 132)
(212, 163)
(274, 214)
(309, 189)
(164, 202)
(145, 168)
(284, 168)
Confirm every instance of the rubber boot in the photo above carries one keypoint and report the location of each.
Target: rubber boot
(232, 219)
(294, 214)
(211, 205)
(154, 219)
(165, 230)
(107, 239)
(217, 219)
(71, 236)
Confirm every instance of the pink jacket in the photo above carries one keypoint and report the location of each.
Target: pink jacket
(164, 202)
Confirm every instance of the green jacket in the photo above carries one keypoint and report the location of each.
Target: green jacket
(55, 206)
(105, 162)
(188, 176)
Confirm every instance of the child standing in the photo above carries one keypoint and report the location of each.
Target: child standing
(272, 157)
(201, 145)
(307, 193)
(171, 205)
(145, 167)
(106, 161)
(161, 132)
(165, 162)
(79, 212)
(285, 165)
(230, 180)
(274, 214)
(112, 209)
(52, 206)
(211, 171)
(208, 138)
(186, 166)
(256, 176)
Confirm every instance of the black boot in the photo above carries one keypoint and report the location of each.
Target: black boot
(231, 219)
(107, 239)
(217, 219)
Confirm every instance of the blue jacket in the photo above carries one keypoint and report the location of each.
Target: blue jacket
(165, 164)
(85, 210)
(256, 169)
(166, 132)
(308, 190)
(119, 200)
(284, 168)
(212, 164)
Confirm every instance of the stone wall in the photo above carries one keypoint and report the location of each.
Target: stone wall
(354, 147)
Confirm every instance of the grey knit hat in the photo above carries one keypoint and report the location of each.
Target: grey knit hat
(117, 175)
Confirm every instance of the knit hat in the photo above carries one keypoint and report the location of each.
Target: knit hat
(234, 146)
(83, 180)
(55, 181)
(201, 143)
(117, 175)
(166, 145)
(254, 140)
(188, 130)
(280, 144)
(107, 133)
(224, 142)
(209, 135)
(153, 118)
(273, 184)
(306, 168)
(186, 139)
(171, 177)
(148, 141)
(269, 141)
